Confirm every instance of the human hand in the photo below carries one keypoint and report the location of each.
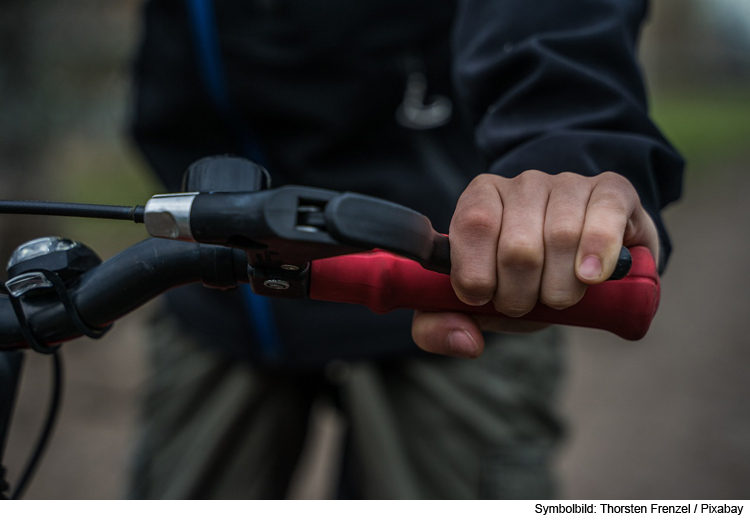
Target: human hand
(533, 238)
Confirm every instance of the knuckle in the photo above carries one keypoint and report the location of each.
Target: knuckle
(601, 236)
(479, 220)
(569, 177)
(619, 186)
(532, 174)
(612, 201)
(613, 177)
(562, 236)
(520, 253)
(484, 182)
(532, 179)
(485, 177)
(514, 307)
(560, 299)
(474, 284)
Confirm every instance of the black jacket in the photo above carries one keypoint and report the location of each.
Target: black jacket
(352, 96)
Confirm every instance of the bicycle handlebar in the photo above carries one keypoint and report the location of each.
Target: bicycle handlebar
(291, 242)
(379, 280)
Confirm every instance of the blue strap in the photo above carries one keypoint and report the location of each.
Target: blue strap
(212, 71)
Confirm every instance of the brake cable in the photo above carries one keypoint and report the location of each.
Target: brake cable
(112, 212)
(49, 424)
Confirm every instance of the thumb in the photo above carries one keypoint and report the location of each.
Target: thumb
(447, 333)
(613, 218)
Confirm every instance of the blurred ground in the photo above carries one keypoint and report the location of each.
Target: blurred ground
(666, 417)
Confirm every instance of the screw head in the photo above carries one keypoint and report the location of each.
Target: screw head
(276, 284)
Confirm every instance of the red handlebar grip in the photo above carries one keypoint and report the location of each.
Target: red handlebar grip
(383, 282)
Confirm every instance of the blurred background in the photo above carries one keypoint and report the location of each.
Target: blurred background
(667, 417)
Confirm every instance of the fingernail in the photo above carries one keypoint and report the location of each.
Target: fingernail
(461, 343)
(591, 268)
(475, 301)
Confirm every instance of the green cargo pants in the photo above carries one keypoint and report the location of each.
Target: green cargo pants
(423, 427)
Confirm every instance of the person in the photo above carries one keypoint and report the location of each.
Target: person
(406, 100)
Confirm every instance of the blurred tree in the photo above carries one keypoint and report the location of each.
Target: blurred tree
(734, 18)
(64, 79)
(694, 45)
(23, 131)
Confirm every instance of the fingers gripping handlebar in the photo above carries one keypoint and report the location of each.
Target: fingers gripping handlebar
(384, 282)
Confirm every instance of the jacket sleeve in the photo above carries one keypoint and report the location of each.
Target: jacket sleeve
(554, 85)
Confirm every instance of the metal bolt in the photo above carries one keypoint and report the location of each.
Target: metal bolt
(276, 284)
(289, 267)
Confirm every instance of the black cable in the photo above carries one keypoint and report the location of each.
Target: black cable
(41, 444)
(113, 212)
